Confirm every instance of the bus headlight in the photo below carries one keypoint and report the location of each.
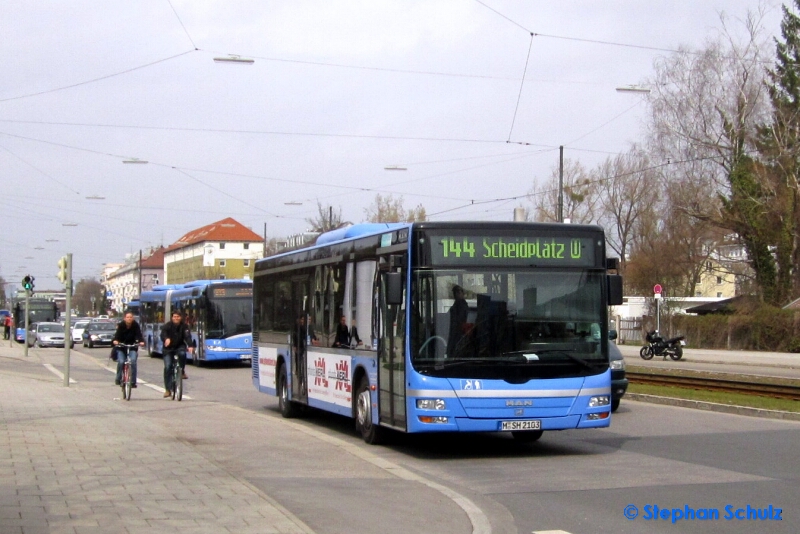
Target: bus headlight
(617, 365)
(599, 400)
(431, 404)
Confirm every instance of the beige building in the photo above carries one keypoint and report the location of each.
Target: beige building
(140, 272)
(222, 250)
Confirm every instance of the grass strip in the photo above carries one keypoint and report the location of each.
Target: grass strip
(720, 397)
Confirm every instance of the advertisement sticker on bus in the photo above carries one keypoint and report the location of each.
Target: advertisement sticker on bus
(267, 360)
(329, 378)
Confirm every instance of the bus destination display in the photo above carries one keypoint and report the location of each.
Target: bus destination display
(510, 250)
(232, 292)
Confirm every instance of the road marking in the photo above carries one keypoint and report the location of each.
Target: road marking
(58, 373)
(480, 523)
(550, 532)
(140, 382)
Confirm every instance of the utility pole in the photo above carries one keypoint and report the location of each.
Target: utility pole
(27, 319)
(140, 277)
(561, 184)
(65, 275)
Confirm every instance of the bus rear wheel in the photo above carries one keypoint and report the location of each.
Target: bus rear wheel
(370, 432)
(285, 405)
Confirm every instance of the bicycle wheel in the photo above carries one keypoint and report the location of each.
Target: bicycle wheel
(179, 386)
(176, 375)
(126, 382)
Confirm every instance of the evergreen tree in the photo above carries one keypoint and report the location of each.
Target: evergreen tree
(779, 144)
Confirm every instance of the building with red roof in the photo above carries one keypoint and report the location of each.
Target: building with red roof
(224, 249)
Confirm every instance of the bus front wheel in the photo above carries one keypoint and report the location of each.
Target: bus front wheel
(370, 432)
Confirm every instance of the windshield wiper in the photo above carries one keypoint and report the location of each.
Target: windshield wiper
(444, 364)
(561, 352)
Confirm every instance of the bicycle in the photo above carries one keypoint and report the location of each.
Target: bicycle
(177, 377)
(127, 370)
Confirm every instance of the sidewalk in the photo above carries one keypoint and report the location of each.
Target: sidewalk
(74, 461)
(733, 357)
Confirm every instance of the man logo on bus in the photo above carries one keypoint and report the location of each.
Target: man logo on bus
(343, 377)
(319, 373)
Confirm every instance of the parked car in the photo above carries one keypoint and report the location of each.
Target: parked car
(77, 330)
(46, 335)
(98, 333)
(619, 384)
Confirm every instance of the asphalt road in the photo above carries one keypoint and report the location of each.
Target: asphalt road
(571, 481)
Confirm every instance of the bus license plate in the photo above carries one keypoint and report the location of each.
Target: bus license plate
(521, 425)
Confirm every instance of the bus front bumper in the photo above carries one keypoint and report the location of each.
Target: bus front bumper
(465, 424)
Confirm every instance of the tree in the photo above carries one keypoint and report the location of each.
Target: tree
(85, 289)
(580, 196)
(629, 192)
(390, 209)
(780, 150)
(706, 108)
(326, 219)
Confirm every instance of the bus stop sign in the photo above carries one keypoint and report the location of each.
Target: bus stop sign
(657, 289)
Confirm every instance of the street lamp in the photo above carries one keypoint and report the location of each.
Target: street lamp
(134, 161)
(633, 89)
(95, 197)
(233, 58)
(395, 168)
(69, 224)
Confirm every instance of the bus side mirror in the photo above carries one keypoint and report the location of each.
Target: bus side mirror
(614, 289)
(612, 335)
(394, 288)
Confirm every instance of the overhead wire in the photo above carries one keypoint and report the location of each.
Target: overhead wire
(599, 180)
(93, 80)
(40, 171)
(182, 25)
(521, 85)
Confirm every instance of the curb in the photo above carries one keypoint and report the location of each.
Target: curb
(714, 407)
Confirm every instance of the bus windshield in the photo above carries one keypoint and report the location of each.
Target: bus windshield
(228, 317)
(513, 324)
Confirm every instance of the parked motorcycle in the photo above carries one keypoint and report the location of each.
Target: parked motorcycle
(658, 346)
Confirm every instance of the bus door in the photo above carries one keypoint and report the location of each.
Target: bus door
(391, 329)
(301, 300)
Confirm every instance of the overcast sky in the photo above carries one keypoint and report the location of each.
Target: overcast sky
(338, 91)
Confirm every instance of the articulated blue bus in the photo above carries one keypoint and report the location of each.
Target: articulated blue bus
(39, 310)
(218, 312)
(459, 327)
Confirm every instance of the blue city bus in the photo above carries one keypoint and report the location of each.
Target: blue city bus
(218, 312)
(459, 327)
(133, 307)
(39, 310)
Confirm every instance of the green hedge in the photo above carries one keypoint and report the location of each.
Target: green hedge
(761, 328)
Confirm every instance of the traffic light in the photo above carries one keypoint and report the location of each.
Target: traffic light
(27, 283)
(62, 270)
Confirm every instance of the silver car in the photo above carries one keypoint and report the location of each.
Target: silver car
(46, 335)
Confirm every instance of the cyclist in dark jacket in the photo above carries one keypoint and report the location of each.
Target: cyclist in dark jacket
(176, 336)
(128, 333)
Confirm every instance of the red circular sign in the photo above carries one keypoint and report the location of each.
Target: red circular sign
(657, 288)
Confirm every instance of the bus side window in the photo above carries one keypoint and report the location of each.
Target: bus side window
(365, 277)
